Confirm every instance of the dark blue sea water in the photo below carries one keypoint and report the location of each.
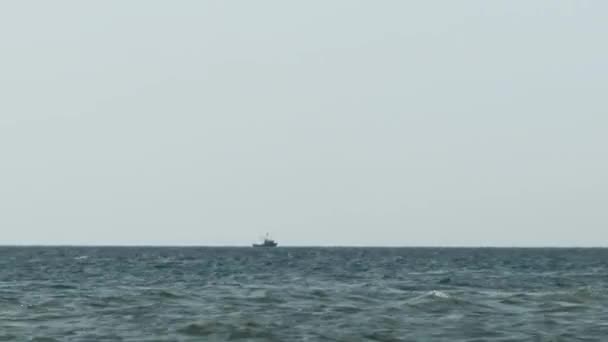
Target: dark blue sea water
(303, 294)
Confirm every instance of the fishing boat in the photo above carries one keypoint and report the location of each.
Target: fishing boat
(268, 242)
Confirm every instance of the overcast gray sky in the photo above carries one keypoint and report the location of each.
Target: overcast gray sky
(347, 122)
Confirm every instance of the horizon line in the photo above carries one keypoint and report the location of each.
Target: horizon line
(303, 246)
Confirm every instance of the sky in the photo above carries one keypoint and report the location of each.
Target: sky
(344, 122)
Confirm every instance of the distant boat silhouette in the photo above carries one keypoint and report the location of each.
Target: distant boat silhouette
(268, 242)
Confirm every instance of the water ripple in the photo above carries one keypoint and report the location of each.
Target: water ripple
(302, 294)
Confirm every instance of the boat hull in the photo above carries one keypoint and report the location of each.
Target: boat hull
(264, 245)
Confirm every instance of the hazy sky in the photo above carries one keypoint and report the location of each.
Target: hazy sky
(323, 122)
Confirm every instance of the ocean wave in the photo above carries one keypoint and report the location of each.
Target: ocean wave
(247, 330)
(225, 294)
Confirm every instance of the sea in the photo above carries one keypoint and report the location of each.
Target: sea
(52, 294)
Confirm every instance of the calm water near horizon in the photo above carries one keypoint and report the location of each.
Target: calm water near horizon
(302, 294)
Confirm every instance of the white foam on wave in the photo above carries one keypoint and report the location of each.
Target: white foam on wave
(439, 294)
